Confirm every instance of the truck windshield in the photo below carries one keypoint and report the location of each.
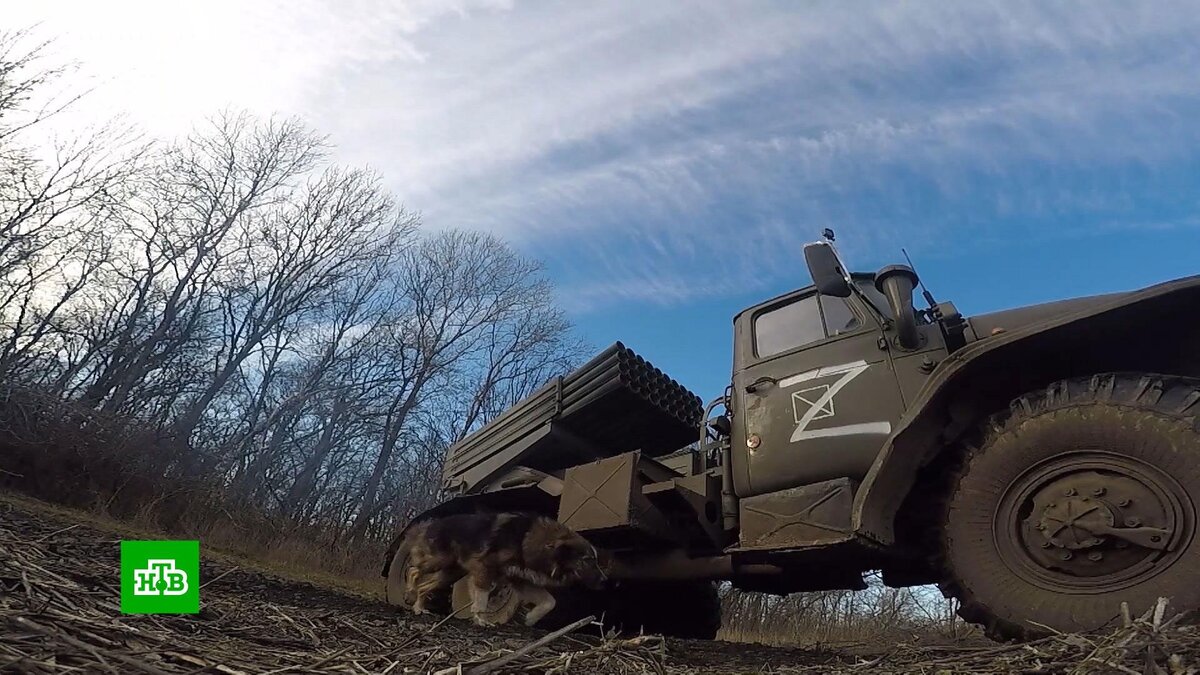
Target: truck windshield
(800, 322)
(794, 324)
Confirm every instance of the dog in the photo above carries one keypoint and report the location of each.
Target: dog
(399, 574)
(530, 553)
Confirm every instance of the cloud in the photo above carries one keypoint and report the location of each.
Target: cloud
(644, 289)
(167, 64)
(659, 152)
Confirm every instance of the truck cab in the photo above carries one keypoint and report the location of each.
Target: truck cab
(821, 379)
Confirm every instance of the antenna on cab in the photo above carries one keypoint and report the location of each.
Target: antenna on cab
(924, 291)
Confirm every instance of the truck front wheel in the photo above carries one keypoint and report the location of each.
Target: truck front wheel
(1083, 497)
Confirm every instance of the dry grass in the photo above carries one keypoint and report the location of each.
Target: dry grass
(297, 560)
(879, 615)
(850, 637)
(297, 555)
(59, 614)
(111, 470)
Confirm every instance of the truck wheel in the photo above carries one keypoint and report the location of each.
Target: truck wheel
(503, 603)
(1083, 497)
(393, 590)
(683, 609)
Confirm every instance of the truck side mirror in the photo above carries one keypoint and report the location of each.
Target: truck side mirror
(897, 282)
(826, 270)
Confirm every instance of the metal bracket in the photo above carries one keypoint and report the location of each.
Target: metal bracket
(558, 395)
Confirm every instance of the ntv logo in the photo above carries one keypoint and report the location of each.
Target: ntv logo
(160, 577)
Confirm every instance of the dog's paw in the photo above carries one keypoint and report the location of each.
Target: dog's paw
(419, 610)
(480, 621)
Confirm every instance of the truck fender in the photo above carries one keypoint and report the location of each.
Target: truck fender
(520, 489)
(1155, 329)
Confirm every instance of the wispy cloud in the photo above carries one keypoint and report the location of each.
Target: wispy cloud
(660, 152)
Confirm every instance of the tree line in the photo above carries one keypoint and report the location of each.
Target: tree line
(282, 318)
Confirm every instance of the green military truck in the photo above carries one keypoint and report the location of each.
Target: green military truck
(1041, 464)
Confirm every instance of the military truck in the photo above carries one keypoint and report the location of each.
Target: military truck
(1041, 465)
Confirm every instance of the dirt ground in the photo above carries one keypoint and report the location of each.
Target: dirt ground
(59, 612)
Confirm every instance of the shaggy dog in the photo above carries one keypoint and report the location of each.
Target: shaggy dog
(531, 553)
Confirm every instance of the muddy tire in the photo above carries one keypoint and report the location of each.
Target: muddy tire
(683, 609)
(393, 590)
(1082, 496)
(504, 604)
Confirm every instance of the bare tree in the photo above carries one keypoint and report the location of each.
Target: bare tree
(192, 234)
(331, 376)
(453, 288)
(272, 322)
(344, 225)
(54, 206)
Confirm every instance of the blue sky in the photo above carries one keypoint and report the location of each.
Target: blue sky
(668, 160)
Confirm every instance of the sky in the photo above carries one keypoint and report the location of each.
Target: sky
(668, 160)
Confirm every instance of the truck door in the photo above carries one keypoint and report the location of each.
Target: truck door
(815, 395)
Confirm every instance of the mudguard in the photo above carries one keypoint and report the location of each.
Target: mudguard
(1167, 314)
(520, 489)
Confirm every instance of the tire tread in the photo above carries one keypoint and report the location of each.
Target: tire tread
(1166, 395)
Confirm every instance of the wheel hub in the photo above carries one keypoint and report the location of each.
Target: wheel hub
(1073, 522)
(503, 602)
(1091, 521)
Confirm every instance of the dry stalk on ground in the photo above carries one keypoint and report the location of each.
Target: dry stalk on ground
(60, 612)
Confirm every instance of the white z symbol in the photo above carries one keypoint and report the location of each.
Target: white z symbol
(822, 406)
